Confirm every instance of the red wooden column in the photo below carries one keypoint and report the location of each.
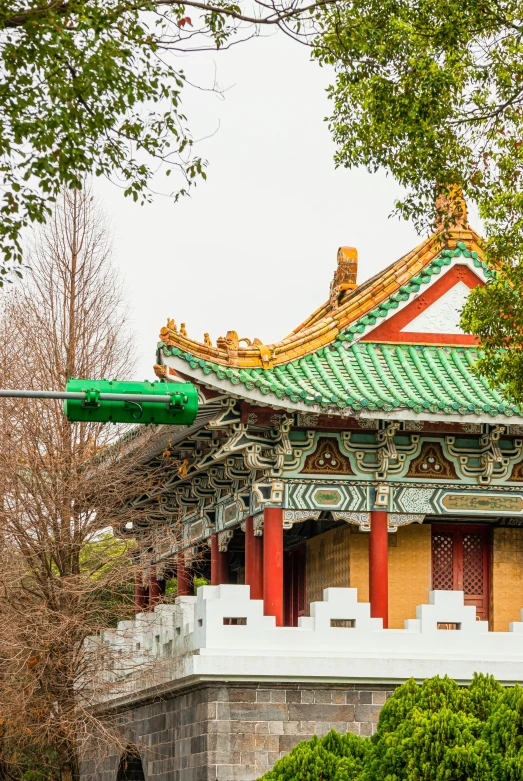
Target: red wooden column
(155, 589)
(253, 560)
(140, 594)
(273, 563)
(219, 563)
(379, 567)
(185, 586)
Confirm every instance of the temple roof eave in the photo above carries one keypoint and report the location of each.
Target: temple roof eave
(511, 415)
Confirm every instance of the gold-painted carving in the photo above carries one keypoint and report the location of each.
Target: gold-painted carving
(160, 371)
(517, 473)
(231, 344)
(169, 333)
(345, 274)
(183, 468)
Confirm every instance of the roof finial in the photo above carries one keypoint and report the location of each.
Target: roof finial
(451, 208)
(345, 274)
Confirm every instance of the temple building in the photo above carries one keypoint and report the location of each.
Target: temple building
(349, 492)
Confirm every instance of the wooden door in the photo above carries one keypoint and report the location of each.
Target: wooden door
(460, 562)
(294, 585)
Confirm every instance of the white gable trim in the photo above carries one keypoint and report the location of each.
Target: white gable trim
(461, 261)
(442, 316)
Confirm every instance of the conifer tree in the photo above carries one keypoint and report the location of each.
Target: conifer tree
(436, 731)
(334, 757)
(503, 733)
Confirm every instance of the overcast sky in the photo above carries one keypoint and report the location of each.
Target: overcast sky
(254, 248)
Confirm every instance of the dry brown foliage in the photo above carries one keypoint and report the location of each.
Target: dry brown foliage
(63, 574)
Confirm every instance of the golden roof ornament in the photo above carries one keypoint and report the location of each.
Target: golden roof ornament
(169, 332)
(231, 344)
(183, 330)
(345, 274)
(207, 340)
(160, 370)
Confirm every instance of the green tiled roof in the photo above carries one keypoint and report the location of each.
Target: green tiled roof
(365, 376)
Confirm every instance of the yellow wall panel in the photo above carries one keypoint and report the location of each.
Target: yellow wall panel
(327, 563)
(409, 572)
(507, 577)
(359, 564)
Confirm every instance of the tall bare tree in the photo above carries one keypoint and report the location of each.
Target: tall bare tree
(63, 487)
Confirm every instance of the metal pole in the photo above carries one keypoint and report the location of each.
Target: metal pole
(140, 397)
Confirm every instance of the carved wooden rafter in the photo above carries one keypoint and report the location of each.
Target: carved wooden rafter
(489, 461)
(361, 519)
(294, 458)
(389, 457)
(395, 520)
(257, 523)
(224, 538)
(290, 517)
(269, 493)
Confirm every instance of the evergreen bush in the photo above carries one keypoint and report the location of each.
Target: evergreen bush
(434, 731)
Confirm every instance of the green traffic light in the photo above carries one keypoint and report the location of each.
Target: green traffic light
(180, 409)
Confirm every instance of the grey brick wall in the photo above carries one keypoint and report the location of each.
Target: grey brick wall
(235, 732)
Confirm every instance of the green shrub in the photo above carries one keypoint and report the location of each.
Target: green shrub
(504, 735)
(434, 731)
(334, 757)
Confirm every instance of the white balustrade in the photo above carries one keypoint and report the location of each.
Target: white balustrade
(222, 632)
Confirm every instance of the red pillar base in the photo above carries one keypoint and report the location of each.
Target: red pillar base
(273, 563)
(185, 584)
(253, 560)
(379, 567)
(219, 563)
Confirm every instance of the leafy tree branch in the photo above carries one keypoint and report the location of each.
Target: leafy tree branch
(432, 92)
(88, 87)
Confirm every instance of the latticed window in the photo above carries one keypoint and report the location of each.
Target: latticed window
(443, 561)
(460, 555)
(473, 563)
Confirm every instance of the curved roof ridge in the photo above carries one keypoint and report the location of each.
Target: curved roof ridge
(328, 322)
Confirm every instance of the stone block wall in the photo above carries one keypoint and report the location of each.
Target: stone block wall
(236, 732)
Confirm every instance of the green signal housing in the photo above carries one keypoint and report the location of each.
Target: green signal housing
(102, 402)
